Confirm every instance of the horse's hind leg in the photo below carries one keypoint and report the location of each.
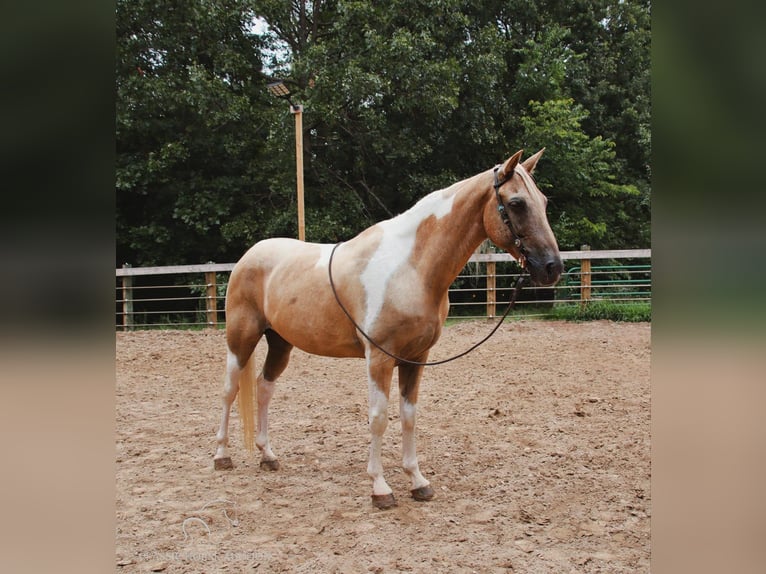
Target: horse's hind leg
(222, 460)
(243, 332)
(276, 361)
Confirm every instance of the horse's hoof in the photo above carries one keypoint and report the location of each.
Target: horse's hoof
(383, 501)
(223, 463)
(423, 493)
(269, 465)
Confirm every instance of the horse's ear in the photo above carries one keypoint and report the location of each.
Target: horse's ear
(511, 164)
(530, 163)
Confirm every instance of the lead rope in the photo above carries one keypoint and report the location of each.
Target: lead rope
(511, 304)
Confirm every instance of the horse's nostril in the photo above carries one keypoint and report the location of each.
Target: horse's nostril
(554, 267)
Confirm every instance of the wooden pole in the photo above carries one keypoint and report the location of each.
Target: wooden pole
(585, 279)
(298, 113)
(491, 292)
(210, 302)
(127, 300)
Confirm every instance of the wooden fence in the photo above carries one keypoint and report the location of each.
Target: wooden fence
(193, 295)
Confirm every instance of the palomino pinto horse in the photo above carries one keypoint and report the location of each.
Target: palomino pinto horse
(392, 279)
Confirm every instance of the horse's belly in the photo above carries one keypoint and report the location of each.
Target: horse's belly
(320, 336)
(313, 322)
(326, 347)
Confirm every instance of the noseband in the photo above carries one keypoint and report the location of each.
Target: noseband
(507, 220)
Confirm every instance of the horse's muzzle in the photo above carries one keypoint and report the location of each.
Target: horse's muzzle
(546, 272)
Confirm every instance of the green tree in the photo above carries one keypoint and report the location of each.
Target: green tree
(586, 202)
(192, 120)
(384, 85)
(399, 100)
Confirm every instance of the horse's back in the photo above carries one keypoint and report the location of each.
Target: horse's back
(269, 253)
(267, 268)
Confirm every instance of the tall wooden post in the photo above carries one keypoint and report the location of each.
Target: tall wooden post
(491, 289)
(127, 300)
(210, 301)
(298, 113)
(585, 278)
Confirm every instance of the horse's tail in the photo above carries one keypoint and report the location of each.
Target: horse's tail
(246, 401)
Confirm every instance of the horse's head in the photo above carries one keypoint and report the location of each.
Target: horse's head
(515, 219)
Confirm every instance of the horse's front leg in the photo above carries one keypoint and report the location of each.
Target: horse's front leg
(409, 381)
(379, 372)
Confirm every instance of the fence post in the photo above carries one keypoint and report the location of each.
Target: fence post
(127, 300)
(211, 302)
(585, 279)
(491, 292)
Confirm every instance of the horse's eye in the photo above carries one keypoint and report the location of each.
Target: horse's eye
(517, 204)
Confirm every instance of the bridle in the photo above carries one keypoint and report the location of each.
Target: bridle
(519, 284)
(501, 209)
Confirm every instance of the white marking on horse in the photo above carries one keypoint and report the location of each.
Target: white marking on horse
(230, 389)
(407, 414)
(395, 247)
(378, 421)
(325, 249)
(231, 360)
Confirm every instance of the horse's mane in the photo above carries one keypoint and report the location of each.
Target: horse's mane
(437, 195)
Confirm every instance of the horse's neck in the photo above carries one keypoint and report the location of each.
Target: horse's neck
(444, 229)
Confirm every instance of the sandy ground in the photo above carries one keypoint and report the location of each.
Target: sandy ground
(537, 445)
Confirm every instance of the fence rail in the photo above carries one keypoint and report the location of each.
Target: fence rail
(194, 295)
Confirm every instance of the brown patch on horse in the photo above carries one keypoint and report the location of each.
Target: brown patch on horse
(425, 252)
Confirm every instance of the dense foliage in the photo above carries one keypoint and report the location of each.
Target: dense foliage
(400, 98)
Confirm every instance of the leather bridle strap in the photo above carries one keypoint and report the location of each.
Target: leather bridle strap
(503, 211)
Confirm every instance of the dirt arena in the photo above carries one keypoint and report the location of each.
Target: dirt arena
(537, 445)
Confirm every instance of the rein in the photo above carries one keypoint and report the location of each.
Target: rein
(511, 304)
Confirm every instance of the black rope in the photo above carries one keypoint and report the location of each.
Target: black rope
(511, 304)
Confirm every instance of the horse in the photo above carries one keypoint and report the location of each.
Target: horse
(389, 283)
